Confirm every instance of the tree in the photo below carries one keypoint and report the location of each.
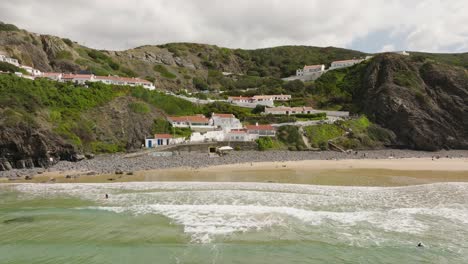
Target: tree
(258, 109)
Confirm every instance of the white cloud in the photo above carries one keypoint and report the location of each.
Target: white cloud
(428, 25)
(388, 47)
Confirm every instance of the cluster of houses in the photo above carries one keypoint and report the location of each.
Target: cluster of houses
(220, 127)
(284, 110)
(313, 72)
(266, 100)
(84, 78)
(76, 78)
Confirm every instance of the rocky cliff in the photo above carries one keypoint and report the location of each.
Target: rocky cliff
(424, 102)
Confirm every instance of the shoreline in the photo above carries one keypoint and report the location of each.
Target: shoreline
(348, 169)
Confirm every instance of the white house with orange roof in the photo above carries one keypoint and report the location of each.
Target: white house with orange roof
(78, 78)
(195, 121)
(225, 121)
(308, 73)
(31, 71)
(344, 63)
(55, 76)
(116, 80)
(266, 100)
(238, 135)
(256, 131)
(310, 70)
(162, 140)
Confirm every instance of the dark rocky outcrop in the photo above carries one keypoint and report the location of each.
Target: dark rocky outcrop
(24, 146)
(29, 145)
(424, 103)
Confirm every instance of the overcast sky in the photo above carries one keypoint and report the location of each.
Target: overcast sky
(366, 25)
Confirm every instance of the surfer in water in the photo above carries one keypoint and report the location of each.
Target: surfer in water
(421, 245)
(107, 196)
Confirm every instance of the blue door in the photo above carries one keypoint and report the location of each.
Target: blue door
(150, 143)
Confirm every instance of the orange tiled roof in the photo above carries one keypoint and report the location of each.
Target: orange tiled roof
(260, 127)
(224, 115)
(191, 119)
(122, 79)
(313, 66)
(162, 136)
(341, 61)
(73, 76)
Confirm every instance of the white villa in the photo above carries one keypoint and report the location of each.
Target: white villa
(196, 121)
(310, 70)
(308, 73)
(283, 110)
(266, 100)
(6, 59)
(162, 140)
(225, 121)
(344, 63)
(115, 80)
(256, 131)
(31, 70)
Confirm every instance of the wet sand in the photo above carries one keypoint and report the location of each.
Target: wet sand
(371, 172)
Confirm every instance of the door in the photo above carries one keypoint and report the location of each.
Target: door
(150, 143)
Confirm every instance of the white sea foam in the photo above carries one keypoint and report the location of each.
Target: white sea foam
(207, 210)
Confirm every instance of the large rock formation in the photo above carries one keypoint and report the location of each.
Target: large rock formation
(423, 102)
(25, 146)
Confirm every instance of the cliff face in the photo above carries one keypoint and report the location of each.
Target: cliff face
(38, 143)
(423, 102)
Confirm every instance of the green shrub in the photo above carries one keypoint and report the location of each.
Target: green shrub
(164, 71)
(8, 27)
(290, 136)
(128, 72)
(97, 55)
(7, 67)
(264, 143)
(320, 134)
(64, 55)
(68, 42)
(200, 84)
(139, 108)
(103, 147)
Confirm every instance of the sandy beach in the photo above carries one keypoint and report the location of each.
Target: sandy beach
(346, 172)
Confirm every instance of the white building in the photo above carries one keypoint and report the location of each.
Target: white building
(83, 78)
(225, 121)
(196, 121)
(344, 63)
(256, 131)
(266, 100)
(116, 80)
(238, 135)
(162, 140)
(31, 70)
(6, 59)
(310, 70)
(208, 136)
(78, 78)
(283, 110)
(56, 76)
(308, 73)
(404, 53)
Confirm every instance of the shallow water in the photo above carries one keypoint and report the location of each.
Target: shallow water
(214, 222)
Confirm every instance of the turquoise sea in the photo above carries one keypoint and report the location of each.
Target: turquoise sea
(214, 222)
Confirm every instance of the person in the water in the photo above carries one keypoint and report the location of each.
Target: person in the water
(420, 244)
(107, 196)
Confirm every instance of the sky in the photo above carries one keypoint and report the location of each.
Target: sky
(365, 25)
